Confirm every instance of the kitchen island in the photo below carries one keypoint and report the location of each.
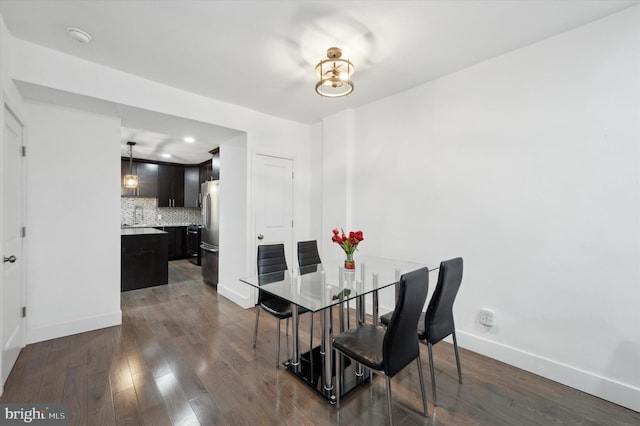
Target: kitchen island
(144, 258)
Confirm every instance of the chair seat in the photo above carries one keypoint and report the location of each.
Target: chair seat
(279, 308)
(362, 343)
(384, 319)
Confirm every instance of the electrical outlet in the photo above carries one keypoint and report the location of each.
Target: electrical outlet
(486, 317)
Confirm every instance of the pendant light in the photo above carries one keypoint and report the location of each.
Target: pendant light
(131, 180)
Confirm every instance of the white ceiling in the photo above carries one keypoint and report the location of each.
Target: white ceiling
(261, 54)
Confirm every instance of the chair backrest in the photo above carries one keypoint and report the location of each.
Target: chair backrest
(308, 253)
(271, 258)
(439, 317)
(400, 345)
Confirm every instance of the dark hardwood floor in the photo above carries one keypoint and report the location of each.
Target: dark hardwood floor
(184, 355)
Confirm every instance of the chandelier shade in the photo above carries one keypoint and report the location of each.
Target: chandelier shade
(334, 75)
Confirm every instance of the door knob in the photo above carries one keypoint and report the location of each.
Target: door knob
(260, 236)
(10, 259)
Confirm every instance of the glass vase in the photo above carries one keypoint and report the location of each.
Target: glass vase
(349, 263)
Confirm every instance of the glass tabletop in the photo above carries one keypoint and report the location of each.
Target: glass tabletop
(320, 286)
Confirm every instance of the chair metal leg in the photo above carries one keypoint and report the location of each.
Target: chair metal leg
(287, 328)
(389, 407)
(433, 373)
(424, 394)
(255, 332)
(455, 348)
(278, 347)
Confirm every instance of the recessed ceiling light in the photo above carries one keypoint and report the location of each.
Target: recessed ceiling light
(78, 34)
(166, 155)
(189, 139)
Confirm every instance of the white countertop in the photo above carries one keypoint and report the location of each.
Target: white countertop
(140, 231)
(155, 225)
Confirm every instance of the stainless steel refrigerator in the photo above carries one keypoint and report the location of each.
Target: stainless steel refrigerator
(211, 230)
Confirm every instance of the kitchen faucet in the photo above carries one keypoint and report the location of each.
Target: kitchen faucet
(135, 215)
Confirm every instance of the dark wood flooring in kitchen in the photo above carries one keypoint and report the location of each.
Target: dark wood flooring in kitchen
(184, 355)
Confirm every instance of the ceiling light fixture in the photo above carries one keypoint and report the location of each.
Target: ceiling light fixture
(165, 155)
(334, 74)
(189, 139)
(130, 180)
(78, 34)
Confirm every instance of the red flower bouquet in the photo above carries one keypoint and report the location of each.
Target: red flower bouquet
(348, 243)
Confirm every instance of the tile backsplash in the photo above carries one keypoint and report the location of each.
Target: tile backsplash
(154, 215)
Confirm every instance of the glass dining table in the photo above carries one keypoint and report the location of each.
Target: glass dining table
(319, 288)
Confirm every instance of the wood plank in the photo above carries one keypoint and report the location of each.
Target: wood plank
(99, 399)
(125, 405)
(75, 394)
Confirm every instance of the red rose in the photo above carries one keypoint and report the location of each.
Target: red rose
(335, 232)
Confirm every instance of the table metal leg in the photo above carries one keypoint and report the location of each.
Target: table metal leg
(296, 349)
(328, 385)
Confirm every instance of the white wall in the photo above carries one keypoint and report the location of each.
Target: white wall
(337, 143)
(526, 165)
(73, 217)
(317, 231)
(233, 221)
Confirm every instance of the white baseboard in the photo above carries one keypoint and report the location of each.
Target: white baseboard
(79, 325)
(235, 297)
(602, 387)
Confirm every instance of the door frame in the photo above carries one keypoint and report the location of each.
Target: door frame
(251, 236)
(9, 105)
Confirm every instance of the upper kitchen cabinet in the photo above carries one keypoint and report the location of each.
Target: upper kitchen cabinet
(147, 179)
(191, 186)
(205, 171)
(210, 170)
(170, 185)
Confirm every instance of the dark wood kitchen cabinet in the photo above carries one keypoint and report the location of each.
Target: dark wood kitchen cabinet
(191, 186)
(177, 241)
(143, 259)
(174, 185)
(170, 185)
(205, 171)
(147, 179)
(210, 169)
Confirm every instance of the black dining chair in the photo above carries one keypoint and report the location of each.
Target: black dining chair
(308, 253)
(308, 259)
(271, 259)
(437, 323)
(389, 350)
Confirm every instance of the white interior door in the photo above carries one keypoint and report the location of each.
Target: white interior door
(13, 291)
(274, 202)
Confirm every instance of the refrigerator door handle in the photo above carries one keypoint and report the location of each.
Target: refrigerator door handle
(204, 211)
(209, 249)
(208, 218)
